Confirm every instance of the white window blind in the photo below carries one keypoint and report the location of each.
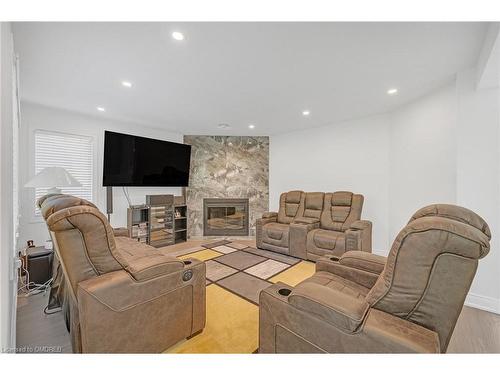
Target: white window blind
(71, 152)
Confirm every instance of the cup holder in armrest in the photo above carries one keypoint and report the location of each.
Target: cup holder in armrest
(187, 262)
(284, 292)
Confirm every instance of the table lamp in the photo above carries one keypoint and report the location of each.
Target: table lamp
(53, 178)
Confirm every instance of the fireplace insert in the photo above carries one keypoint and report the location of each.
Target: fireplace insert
(225, 216)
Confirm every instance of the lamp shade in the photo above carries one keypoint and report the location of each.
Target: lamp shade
(53, 177)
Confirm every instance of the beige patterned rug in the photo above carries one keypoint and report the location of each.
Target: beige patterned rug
(236, 273)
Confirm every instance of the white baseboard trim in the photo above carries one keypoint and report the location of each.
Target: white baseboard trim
(483, 303)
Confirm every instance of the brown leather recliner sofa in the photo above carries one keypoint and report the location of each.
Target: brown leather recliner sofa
(121, 295)
(365, 303)
(313, 225)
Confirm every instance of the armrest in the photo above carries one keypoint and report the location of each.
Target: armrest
(365, 278)
(361, 225)
(395, 335)
(120, 232)
(363, 261)
(339, 309)
(269, 214)
(266, 220)
(305, 220)
(267, 217)
(359, 236)
(152, 266)
(120, 290)
(298, 237)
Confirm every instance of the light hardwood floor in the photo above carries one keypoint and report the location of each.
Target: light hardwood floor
(477, 331)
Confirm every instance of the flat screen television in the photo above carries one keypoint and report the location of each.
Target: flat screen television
(137, 161)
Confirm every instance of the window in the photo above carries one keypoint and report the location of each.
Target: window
(72, 152)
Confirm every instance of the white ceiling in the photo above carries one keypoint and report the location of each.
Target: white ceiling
(239, 73)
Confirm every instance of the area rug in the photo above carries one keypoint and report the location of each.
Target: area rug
(236, 273)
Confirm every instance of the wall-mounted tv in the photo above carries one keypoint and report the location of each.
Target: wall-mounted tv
(137, 161)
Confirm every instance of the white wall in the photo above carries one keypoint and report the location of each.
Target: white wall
(7, 284)
(33, 117)
(442, 148)
(352, 156)
(478, 177)
(422, 156)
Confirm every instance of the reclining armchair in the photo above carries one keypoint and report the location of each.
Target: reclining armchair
(122, 295)
(365, 303)
(273, 229)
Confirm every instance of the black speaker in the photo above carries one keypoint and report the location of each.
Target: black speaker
(159, 200)
(40, 264)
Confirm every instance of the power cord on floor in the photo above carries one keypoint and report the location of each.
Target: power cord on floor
(29, 288)
(54, 311)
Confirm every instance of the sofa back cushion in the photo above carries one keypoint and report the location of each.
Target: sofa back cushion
(83, 239)
(431, 266)
(313, 205)
(340, 210)
(291, 206)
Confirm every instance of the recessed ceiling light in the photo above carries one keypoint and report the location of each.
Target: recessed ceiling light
(101, 109)
(392, 91)
(223, 126)
(306, 112)
(177, 35)
(251, 126)
(126, 84)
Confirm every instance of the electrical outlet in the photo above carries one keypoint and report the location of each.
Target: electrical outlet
(13, 270)
(17, 263)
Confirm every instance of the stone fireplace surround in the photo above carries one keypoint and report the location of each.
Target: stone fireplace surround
(227, 167)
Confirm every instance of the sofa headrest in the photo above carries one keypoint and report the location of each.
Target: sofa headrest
(314, 201)
(457, 213)
(293, 196)
(51, 203)
(342, 198)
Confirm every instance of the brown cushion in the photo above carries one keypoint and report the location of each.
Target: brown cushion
(269, 214)
(453, 212)
(336, 307)
(93, 233)
(51, 203)
(332, 281)
(305, 220)
(362, 260)
(291, 206)
(328, 239)
(341, 198)
(340, 210)
(276, 234)
(313, 205)
(293, 196)
(276, 230)
(153, 265)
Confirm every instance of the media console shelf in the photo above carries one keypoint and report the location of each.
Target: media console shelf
(160, 222)
(138, 223)
(180, 223)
